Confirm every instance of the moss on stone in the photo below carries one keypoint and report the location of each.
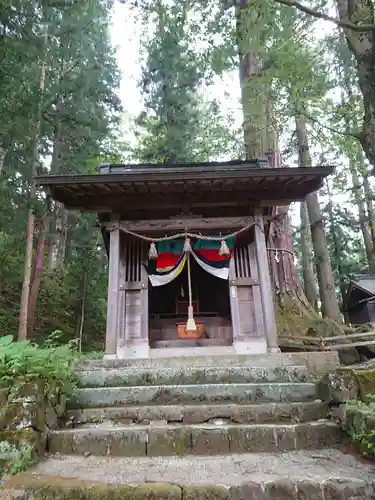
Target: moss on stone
(295, 317)
(205, 493)
(291, 317)
(366, 382)
(338, 387)
(86, 492)
(41, 487)
(157, 492)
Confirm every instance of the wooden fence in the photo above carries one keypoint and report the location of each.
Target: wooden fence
(327, 343)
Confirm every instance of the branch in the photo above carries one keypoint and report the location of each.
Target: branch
(332, 129)
(326, 17)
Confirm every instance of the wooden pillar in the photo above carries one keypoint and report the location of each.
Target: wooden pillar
(266, 291)
(133, 338)
(113, 294)
(233, 300)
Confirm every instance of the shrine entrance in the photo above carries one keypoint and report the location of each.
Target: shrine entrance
(168, 310)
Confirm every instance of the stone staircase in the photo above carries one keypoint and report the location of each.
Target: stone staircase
(253, 424)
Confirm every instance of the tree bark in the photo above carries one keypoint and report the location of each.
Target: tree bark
(83, 305)
(329, 302)
(337, 248)
(364, 218)
(252, 94)
(308, 272)
(39, 264)
(370, 207)
(261, 140)
(25, 294)
(63, 237)
(362, 46)
(3, 153)
(54, 236)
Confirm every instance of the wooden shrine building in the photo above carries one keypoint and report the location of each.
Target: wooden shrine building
(359, 302)
(187, 241)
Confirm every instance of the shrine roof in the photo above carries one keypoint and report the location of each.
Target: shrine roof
(140, 185)
(361, 288)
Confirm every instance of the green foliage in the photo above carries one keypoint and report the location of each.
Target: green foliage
(23, 363)
(179, 124)
(17, 458)
(364, 439)
(78, 131)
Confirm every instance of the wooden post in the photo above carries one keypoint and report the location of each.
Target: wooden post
(133, 312)
(113, 294)
(233, 300)
(266, 291)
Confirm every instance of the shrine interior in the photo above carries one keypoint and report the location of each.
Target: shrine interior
(168, 306)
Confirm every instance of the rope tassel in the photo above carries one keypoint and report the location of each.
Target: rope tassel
(190, 324)
(153, 253)
(187, 245)
(224, 250)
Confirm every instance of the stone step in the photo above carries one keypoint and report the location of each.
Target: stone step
(317, 363)
(189, 351)
(201, 439)
(191, 375)
(303, 475)
(180, 394)
(186, 343)
(198, 414)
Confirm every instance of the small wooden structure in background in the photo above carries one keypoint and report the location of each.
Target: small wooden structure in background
(359, 303)
(210, 199)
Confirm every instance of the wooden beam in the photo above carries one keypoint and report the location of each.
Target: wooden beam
(191, 223)
(125, 203)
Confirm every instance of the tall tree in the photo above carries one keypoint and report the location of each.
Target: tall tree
(308, 271)
(178, 125)
(327, 289)
(37, 127)
(78, 110)
(356, 20)
(346, 114)
(277, 64)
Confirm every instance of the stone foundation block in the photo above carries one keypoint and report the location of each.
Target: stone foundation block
(317, 435)
(205, 493)
(131, 443)
(348, 489)
(244, 439)
(285, 439)
(156, 492)
(309, 490)
(338, 387)
(210, 441)
(281, 490)
(164, 442)
(247, 491)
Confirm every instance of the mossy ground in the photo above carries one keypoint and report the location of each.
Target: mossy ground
(295, 317)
